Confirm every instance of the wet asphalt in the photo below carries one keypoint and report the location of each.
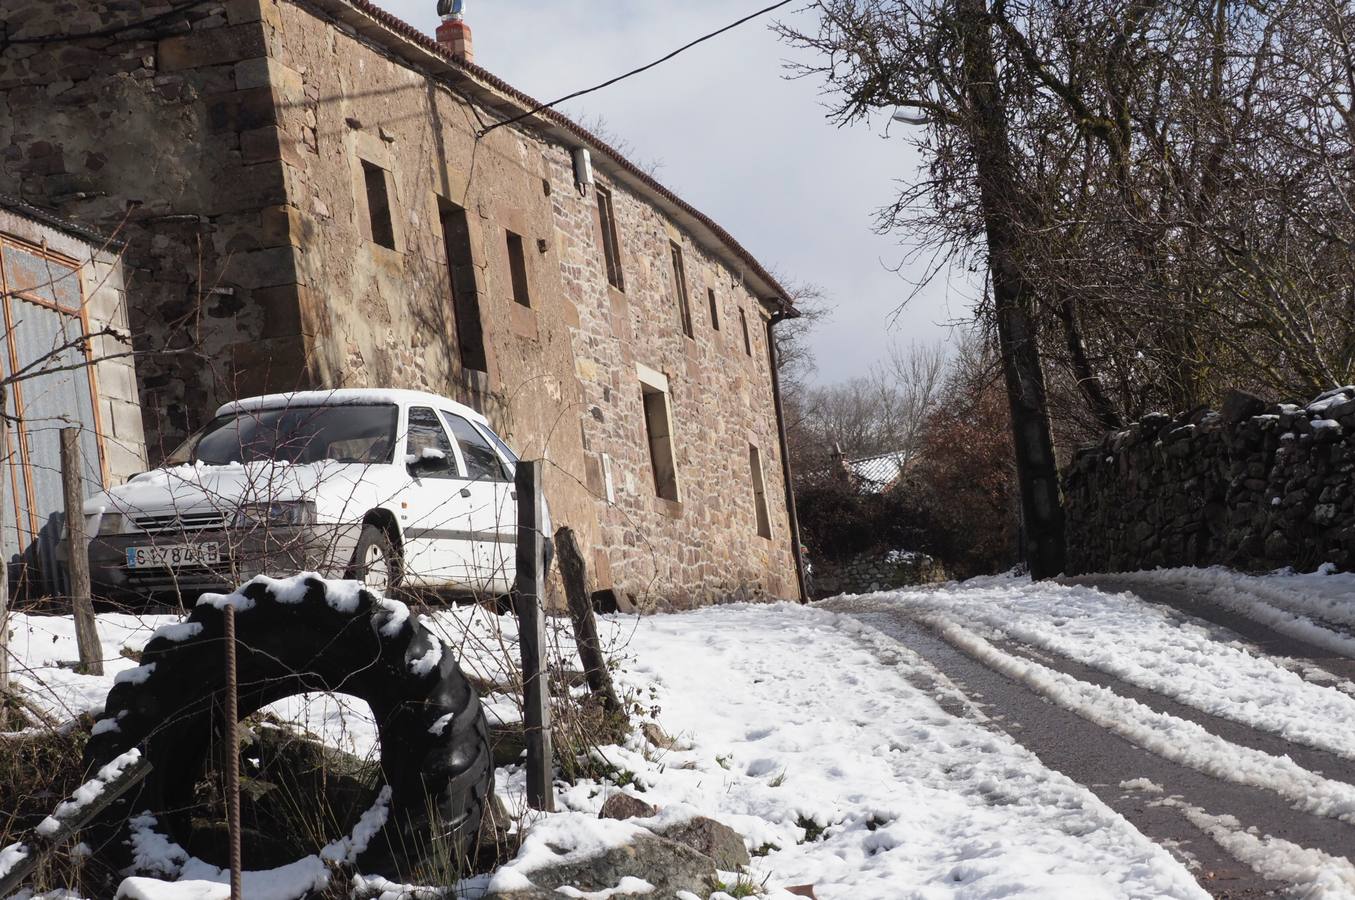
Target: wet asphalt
(1102, 761)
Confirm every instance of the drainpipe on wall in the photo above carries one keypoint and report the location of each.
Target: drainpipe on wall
(786, 311)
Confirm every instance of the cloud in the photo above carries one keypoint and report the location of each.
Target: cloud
(739, 141)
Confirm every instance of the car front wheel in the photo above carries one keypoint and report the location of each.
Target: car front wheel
(375, 562)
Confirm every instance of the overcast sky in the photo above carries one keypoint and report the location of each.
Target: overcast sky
(738, 141)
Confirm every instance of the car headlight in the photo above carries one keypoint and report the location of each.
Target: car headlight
(291, 512)
(109, 523)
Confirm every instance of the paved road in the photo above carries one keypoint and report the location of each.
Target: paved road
(1103, 761)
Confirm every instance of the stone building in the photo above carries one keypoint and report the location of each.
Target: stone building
(314, 194)
(65, 363)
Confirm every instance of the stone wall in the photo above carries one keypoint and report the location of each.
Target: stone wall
(226, 147)
(875, 571)
(1255, 486)
(154, 135)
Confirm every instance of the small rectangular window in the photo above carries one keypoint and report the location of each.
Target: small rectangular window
(470, 335)
(747, 339)
(611, 247)
(659, 432)
(378, 205)
(714, 309)
(517, 264)
(680, 285)
(764, 524)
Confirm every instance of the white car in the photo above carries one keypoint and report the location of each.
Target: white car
(396, 488)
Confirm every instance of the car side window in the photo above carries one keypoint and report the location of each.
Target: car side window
(482, 463)
(428, 440)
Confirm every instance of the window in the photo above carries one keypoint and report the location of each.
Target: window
(714, 309)
(747, 340)
(470, 335)
(482, 463)
(611, 247)
(659, 431)
(517, 266)
(680, 285)
(764, 524)
(378, 205)
(427, 442)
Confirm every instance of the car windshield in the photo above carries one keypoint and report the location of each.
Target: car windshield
(295, 434)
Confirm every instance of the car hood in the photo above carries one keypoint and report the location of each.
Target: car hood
(201, 487)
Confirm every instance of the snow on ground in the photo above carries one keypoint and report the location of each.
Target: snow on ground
(820, 741)
(804, 730)
(1317, 607)
(1152, 647)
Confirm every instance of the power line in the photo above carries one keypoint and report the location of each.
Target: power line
(645, 68)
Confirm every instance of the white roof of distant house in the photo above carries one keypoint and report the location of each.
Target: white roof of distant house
(876, 474)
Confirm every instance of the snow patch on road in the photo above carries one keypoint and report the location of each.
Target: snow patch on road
(1166, 736)
(1149, 646)
(1315, 875)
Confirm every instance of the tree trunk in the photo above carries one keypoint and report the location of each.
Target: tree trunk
(1097, 400)
(1013, 296)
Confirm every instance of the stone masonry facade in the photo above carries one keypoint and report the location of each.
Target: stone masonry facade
(231, 146)
(1256, 486)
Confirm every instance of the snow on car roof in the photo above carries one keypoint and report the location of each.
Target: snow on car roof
(349, 397)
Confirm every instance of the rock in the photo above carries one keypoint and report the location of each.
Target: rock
(802, 890)
(668, 866)
(721, 843)
(1238, 406)
(621, 805)
(657, 736)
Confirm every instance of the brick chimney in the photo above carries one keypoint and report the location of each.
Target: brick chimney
(453, 35)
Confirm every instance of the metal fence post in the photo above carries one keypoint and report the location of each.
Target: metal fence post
(77, 550)
(527, 603)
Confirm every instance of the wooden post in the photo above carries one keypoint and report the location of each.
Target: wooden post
(232, 756)
(574, 571)
(86, 634)
(4, 568)
(527, 602)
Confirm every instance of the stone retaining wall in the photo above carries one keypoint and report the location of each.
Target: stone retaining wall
(1253, 485)
(877, 571)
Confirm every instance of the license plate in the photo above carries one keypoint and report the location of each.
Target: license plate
(174, 555)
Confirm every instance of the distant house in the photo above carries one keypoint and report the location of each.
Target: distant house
(877, 474)
(314, 194)
(63, 367)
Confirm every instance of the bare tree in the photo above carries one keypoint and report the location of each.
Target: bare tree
(941, 62)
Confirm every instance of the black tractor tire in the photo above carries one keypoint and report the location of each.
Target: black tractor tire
(371, 535)
(435, 753)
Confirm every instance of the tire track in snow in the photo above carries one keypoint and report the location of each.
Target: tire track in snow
(1314, 874)
(1173, 739)
(1320, 761)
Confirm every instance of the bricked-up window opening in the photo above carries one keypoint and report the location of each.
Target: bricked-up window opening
(680, 285)
(659, 431)
(378, 205)
(764, 524)
(517, 265)
(470, 334)
(611, 246)
(714, 309)
(747, 338)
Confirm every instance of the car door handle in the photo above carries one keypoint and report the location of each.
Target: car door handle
(465, 492)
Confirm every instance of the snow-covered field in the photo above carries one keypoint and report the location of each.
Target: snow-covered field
(823, 743)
